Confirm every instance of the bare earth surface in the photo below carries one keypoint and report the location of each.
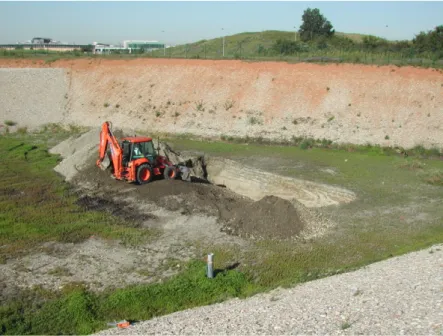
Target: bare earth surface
(399, 296)
(386, 105)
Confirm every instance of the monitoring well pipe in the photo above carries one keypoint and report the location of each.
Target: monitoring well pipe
(210, 268)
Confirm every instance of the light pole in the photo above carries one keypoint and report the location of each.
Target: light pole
(223, 43)
(164, 45)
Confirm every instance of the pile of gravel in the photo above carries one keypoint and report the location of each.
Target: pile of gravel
(77, 153)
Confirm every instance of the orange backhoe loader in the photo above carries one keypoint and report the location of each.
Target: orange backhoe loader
(134, 159)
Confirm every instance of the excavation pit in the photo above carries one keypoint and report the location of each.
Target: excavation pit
(251, 204)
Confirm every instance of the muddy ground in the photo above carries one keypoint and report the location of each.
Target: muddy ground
(185, 217)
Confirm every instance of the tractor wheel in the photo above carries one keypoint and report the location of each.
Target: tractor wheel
(170, 173)
(144, 174)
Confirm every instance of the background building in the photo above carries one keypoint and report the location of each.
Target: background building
(141, 44)
(42, 40)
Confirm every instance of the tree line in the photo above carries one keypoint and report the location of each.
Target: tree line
(317, 33)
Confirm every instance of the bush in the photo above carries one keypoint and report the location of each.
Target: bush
(10, 123)
(419, 150)
(254, 121)
(200, 106)
(306, 144)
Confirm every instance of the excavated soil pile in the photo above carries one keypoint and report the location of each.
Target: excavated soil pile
(270, 217)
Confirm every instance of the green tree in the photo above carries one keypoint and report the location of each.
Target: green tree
(87, 48)
(374, 43)
(430, 41)
(286, 47)
(314, 25)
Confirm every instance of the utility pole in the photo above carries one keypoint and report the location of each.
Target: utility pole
(164, 45)
(223, 44)
(295, 34)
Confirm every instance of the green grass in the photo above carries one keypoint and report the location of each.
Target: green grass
(243, 44)
(38, 207)
(434, 177)
(78, 311)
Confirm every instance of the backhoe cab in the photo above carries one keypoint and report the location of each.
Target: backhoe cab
(134, 159)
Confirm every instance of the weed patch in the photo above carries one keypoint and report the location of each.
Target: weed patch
(59, 271)
(255, 121)
(200, 106)
(10, 123)
(75, 310)
(228, 104)
(434, 177)
(22, 130)
(411, 165)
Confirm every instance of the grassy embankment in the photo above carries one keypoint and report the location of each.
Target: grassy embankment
(396, 211)
(257, 46)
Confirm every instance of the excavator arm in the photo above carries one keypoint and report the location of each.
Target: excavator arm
(106, 137)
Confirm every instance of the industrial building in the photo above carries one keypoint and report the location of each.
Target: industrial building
(43, 40)
(46, 43)
(141, 44)
(128, 46)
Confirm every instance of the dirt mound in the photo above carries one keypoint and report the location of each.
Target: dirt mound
(77, 152)
(255, 184)
(271, 217)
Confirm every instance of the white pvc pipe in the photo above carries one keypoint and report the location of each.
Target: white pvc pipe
(210, 269)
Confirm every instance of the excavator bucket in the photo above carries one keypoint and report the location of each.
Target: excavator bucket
(106, 163)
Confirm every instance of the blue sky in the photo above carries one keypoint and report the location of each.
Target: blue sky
(113, 22)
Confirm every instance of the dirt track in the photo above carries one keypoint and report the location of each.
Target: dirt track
(385, 105)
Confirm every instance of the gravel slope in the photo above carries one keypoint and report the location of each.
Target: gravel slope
(350, 103)
(32, 97)
(402, 295)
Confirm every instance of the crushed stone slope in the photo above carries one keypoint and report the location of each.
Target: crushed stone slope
(33, 97)
(398, 296)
